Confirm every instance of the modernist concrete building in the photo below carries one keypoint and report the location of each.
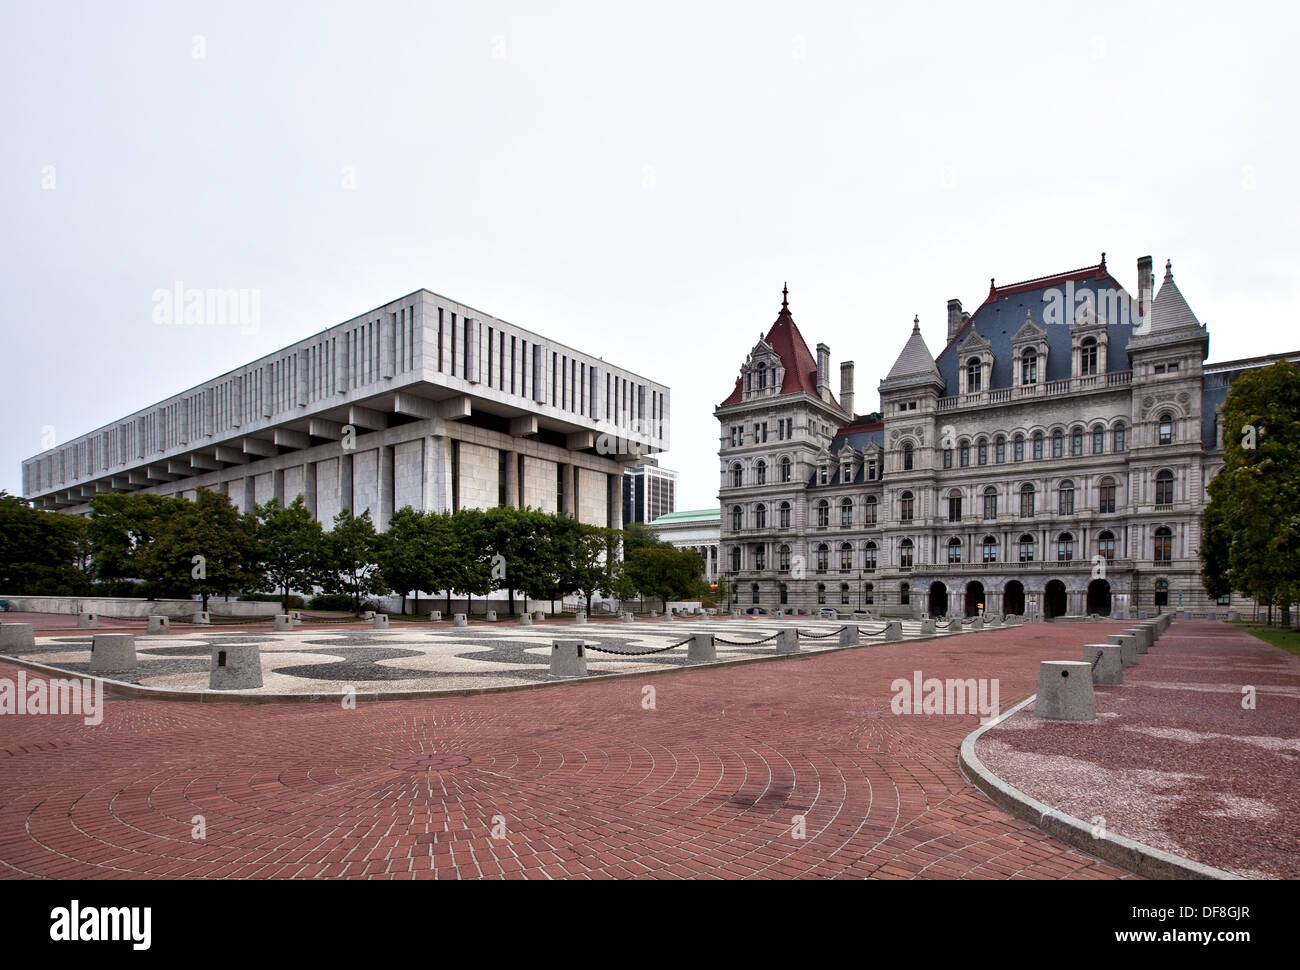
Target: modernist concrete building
(698, 531)
(1053, 460)
(423, 402)
(648, 492)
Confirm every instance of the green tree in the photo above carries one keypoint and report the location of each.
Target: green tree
(41, 552)
(405, 555)
(351, 558)
(289, 552)
(1252, 523)
(121, 526)
(204, 548)
(664, 573)
(470, 568)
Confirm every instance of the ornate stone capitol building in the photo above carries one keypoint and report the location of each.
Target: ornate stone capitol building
(1052, 461)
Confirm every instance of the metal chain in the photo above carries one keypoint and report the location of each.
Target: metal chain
(744, 643)
(820, 636)
(637, 653)
(876, 633)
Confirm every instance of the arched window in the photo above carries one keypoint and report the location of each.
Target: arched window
(869, 594)
(869, 557)
(1162, 592)
(1088, 356)
(762, 374)
(947, 458)
(1038, 446)
(1026, 501)
(990, 503)
(735, 559)
(869, 510)
(1076, 443)
(846, 513)
(1058, 444)
(982, 452)
(1119, 444)
(846, 557)
(1098, 439)
(737, 475)
(965, 454)
(785, 594)
(1166, 428)
(954, 506)
(905, 507)
(823, 557)
(1029, 367)
(905, 550)
(785, 469)
(737, 518)
(821, 593)
(760, 516)
(954, 550)
(1164, 545)
(783, 513)
(907, 457)
(760, 472)
(1019, 449)
(973, 375)
(1026, 546)
(1106, 495)
(823, 514)
(1106, 545)
(1000, 450)
(1064, 547)
(1065, 498)
(760, 557)
(844, 594)
(783, 559)
(1164, 487)
(989, 549)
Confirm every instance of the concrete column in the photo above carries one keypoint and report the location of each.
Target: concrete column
(277, 485)
(345, 483)
(309, 487)
(512, 479)
(568, 508)
(437, 474)
(386, 495)
(250, 495)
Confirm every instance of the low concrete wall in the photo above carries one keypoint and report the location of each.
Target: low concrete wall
(73, 605)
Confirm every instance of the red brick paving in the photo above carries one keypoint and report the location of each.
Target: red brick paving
(1174, 760)
(587, 783)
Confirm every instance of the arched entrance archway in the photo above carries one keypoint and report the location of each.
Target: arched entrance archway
(1013, 597)
(1054, 599)
(1099, 597)
(938, 605)
(974, 597)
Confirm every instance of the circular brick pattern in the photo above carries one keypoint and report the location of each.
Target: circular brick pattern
(442, 763)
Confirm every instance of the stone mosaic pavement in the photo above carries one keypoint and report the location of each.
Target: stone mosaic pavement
(1174, 759)
(422, 656)
(792, 769)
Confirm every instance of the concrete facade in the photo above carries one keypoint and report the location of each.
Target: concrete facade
(423, 402)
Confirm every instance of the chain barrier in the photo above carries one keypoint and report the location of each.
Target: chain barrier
(744, 643)
(350, 618)
(820, 636)
(637, 653)
(875, 633)
(1097, 659)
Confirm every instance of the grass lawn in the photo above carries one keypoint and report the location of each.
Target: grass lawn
(1288, 640)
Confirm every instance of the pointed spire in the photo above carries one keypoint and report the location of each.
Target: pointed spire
(1103, 261)
(915, 360)
(785, 297)
(1169, 271)
(916, 324)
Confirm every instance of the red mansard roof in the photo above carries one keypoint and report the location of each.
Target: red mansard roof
(800, 365)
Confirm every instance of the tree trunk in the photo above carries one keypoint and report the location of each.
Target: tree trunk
(512, 600)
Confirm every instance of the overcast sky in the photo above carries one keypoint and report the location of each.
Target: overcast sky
(635, 181)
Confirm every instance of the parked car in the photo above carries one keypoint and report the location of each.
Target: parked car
(828, 614)
(758, 609)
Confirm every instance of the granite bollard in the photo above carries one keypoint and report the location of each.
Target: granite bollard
(235, 666)
(893, 631)
(1106, 661)
(490, 616)
(525, 619)
(1065, 691)
(1128, 648)
(787, 641)
(380, 622)
(927, 626)
(701, 649)
(435, 616)
(112, 653)
(580, 617)
(459, 619)
(158, 624)
(16, 636)
(202, 618)
(539, 615)
(283, 623)
(849, 635)
(87, 621)
(568, 658)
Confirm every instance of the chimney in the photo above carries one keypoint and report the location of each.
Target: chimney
(846, 387)
(1146, 284)
(823, 372)
(956, 319)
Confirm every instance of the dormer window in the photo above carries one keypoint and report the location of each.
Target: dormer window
(1029, 367)
(762, 375)
(973, 373)
(1088, 356)
(823, 475)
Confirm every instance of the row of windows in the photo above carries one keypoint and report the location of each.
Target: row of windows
(1037, 446)
(868, 596)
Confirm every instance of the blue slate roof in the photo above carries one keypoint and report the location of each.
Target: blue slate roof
(1001, 316)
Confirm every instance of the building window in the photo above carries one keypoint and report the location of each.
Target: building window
(869, 594)
(1026, 548)
(989, 549)
(1106, 495)
(783, 512)
(1058, 444)
(869, 557)
(846, 557)
(844, 594)
(823, 514)
(1098, 440)
(905, 594)
(737, 517)
(846, 513)
(965, 454)
(871, 471)
(947, 458)
(760, 473)
(905, 549)
(737, 476)
(972, 375)
(990, 503)
(1106, 545)
(785, 594)
(1026, 501)
(1164, 545)
(954, 508)
(735, 559)
(1076, 443)
(823, 558)
(1029, 367)
(907, 458)
(982, 452)
(1038, 446)
(905, 507)
(785, 469)
(1225, 599)
(753, 592)
(762, 375)
(783, 559)
(1166, 429)
(869, 511)
(954, 550)
(1164, 487)
(821, 593)
(1088, 356)
(1019, 448)
(1065, 498)
(1000, 450)
(1162, 592)
(1119, 437)
(760, 557)
(821, 474)
(1065, 547)
(760, 516)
